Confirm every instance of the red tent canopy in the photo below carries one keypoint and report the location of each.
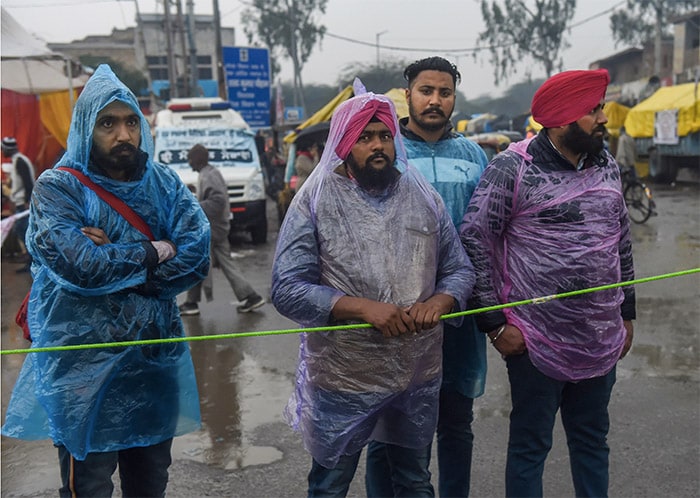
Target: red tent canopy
(21, 119)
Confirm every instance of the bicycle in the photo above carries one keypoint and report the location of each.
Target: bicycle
(640, 204)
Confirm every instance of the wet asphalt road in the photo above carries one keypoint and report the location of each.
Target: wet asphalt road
(245, 449)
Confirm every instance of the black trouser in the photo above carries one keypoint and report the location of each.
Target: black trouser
(143, 472)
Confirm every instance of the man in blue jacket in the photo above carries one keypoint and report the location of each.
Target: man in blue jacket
(453, 165)
(99, 279)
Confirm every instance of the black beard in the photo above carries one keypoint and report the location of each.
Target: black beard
(580, 142)
(371, 178)
(115, 160)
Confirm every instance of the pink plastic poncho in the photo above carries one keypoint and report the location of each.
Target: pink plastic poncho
(401, 247)
(564, 231)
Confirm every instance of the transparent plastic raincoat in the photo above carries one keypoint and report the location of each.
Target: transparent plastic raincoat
(108, 399)
(400, 247)
(536, 226)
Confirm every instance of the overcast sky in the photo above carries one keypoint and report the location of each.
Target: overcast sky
(435, 25)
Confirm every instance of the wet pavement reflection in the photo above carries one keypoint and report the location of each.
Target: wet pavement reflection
(235, 393)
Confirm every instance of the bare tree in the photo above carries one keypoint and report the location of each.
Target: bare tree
(646, 20)
(515, 33)
(289, 29)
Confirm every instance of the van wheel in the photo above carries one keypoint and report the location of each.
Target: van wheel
(259, 233)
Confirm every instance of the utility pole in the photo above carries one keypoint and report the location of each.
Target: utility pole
(183, 49)
(194, 73)
(172, 71)
(142, 41)
(220, 73)
(657, 39)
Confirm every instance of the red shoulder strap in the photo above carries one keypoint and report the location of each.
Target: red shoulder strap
(119, 205)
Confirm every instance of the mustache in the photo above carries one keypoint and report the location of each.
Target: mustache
(435, 110)
(125, 147)
(378, 155)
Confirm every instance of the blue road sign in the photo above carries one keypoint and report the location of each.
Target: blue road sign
(247, 72)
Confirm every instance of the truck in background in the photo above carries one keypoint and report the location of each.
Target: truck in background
(231, 144)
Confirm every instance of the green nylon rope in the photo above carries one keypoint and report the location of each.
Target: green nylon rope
(535, 300)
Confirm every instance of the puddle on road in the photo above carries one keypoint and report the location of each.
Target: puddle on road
(237, 396)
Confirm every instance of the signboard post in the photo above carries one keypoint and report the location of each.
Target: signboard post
(247, 71)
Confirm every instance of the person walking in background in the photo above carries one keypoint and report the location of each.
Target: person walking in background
(305, 162)
(103, 274)
(548, 217)
(626, 155)
(213, 197)
(22, 184)
(453, 165)
(368, 240)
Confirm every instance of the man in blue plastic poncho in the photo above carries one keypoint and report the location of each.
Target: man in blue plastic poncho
(452, 164)
(548, 217)
(98, 279)
(368, 240)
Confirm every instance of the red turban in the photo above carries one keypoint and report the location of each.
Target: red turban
(373, 108)
(568, 96)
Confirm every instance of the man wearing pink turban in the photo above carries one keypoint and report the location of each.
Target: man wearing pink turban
(548, 217)
(368, 240)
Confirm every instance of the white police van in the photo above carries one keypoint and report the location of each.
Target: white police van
(231, 144)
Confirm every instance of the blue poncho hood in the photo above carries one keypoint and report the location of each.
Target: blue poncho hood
(102, 89)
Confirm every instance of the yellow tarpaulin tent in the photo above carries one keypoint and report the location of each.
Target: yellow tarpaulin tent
(397, 95)
(640, 119)
(55, 109)
(532, 125)
(616, 114)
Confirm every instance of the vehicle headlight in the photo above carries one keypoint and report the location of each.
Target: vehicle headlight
(256, 190)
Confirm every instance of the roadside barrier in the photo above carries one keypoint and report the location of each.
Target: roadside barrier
(534, 300)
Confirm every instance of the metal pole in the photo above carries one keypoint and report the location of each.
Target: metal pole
(144, 60)
(220, 74)
(191, 37)
(183, 49)
(172, 74)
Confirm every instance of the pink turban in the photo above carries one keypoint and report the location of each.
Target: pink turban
(566, 97)
(357, 123)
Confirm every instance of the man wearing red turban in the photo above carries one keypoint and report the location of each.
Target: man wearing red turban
(567, 96)
(548, 217)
